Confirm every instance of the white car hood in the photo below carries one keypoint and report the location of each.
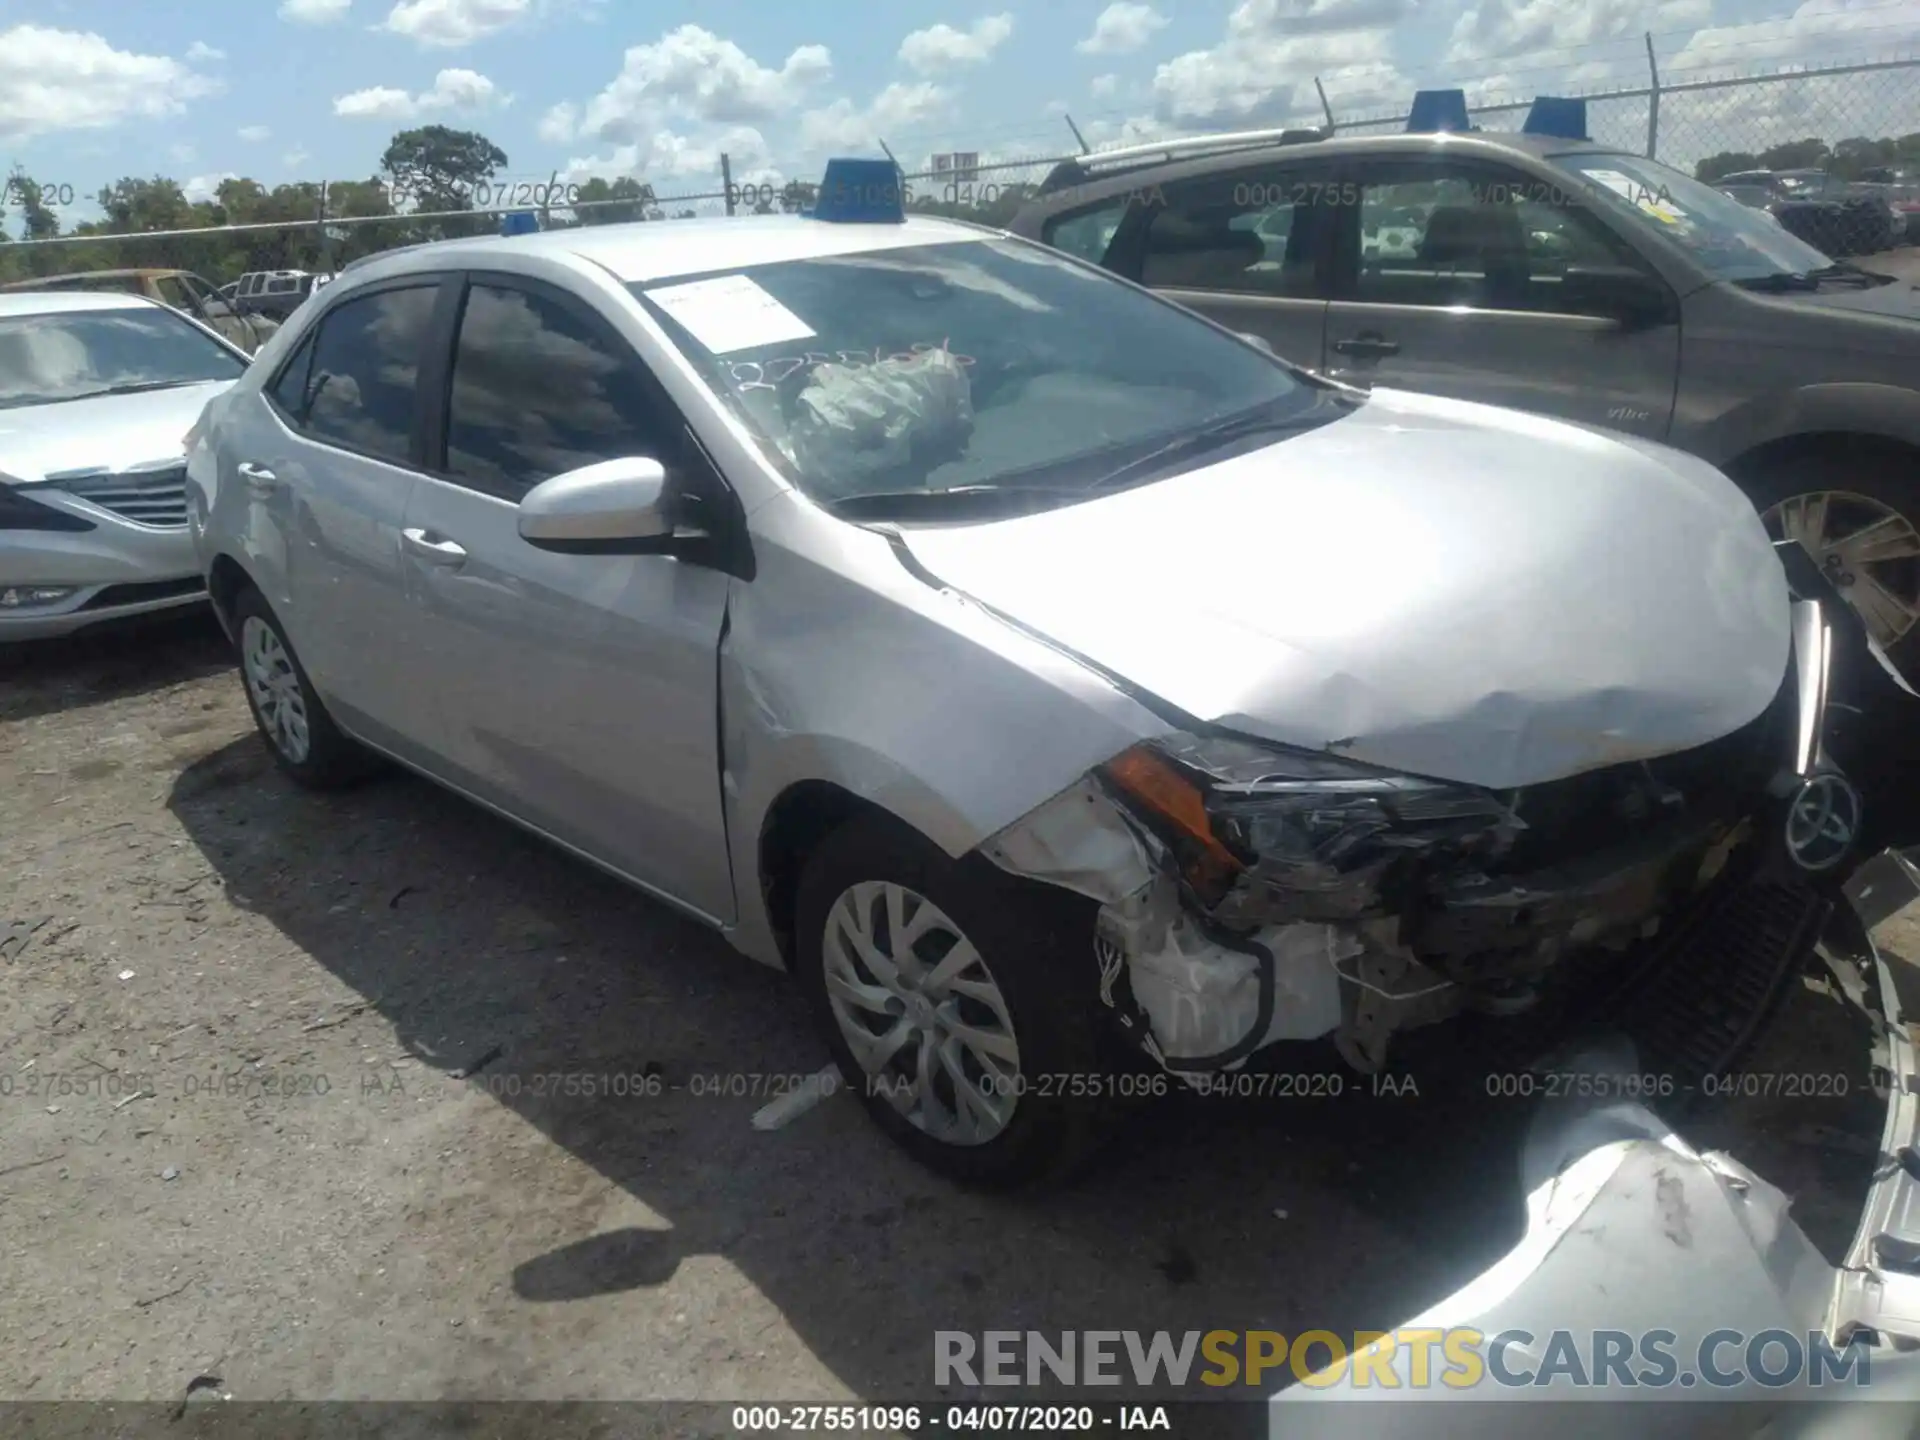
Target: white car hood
(1438, 587)
(110, 433)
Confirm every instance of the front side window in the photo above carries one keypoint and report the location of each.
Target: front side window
(1252, 233)
(73, 355)
(365, 368)
(988, 367)
(536, 391)
(1448, 235)
(1729, 240)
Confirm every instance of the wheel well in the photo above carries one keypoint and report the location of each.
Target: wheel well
(225, 581)
(1831, 445)
(803, 816)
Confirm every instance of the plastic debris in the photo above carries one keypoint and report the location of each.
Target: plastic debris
(797, 1101)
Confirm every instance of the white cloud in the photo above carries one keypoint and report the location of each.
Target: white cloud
(898, 108)
(1506, 29)
(667, 155)
(1103, 87)
(182, 154)
(54, 80)
(448, 23)
(692, 73)
(199, 50)
(254, 134)
(560, 124)
(452, 90)
(205, 187)
(1122, 26)
(295, 157)
(941, 47)
(314, 12)
(1262, 70)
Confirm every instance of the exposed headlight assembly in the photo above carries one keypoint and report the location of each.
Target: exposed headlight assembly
(1263, 832)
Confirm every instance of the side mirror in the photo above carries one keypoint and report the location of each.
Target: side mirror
(1259, 342)
(617, 507)
(1620, 292)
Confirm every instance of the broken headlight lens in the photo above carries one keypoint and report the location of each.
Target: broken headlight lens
(1305, 822)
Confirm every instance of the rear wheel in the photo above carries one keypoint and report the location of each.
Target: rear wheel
(295, 724)
(958, 1001)
(1859, 518)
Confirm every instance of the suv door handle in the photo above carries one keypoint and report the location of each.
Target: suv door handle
(434, 552)
(260, 480)
(1370, 344)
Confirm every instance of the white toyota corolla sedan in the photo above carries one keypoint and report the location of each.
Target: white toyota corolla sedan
(96, 391)
(1028, 664)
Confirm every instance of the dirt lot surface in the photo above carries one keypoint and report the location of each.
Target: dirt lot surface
(239, 1138)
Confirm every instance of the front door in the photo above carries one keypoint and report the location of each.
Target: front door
(1447, 279)
(578, 692)
(1245, 249)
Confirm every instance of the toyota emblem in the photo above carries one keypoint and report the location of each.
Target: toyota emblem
(1823, 820)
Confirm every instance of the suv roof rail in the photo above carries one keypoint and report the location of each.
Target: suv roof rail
(1188, 148)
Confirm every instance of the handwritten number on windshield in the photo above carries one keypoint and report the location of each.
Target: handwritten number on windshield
(767, 374)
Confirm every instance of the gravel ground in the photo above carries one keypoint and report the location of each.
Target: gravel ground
(240, 1139)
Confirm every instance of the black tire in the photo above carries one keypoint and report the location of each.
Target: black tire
(331, 759)
(1037, 946)
(1859, 468)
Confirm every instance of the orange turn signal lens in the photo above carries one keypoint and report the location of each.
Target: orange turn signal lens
(1153, 780)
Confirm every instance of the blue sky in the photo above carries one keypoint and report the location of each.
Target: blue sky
(278, 90)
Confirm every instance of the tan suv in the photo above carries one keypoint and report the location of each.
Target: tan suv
(181, 289)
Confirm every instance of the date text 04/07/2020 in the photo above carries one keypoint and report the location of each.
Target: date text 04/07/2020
(955, 1419)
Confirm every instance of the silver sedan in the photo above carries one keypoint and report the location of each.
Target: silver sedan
(97, 392)
(1039, 671)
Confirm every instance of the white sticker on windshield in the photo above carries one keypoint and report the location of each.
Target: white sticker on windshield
(731, 313)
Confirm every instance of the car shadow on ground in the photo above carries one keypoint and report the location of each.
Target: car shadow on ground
(484, 947)
(110, 662)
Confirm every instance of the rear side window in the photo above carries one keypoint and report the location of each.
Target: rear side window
(1087, 235)
(537, 390)
(289, 392)
(364, 371)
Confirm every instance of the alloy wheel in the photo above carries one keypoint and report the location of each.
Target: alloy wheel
(921, 1012)
(1870, 551)
(275, 687)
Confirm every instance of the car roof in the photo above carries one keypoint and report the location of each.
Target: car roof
(648, 250)
(1072, 184)
(51, 302)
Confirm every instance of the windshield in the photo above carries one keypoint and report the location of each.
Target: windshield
(67, 355)
(1731, 240)
(970, 366)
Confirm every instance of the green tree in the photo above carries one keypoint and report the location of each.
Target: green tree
(1805, 154)
(796, 195)
(1727, 162)
(434, 168)
(604, 197)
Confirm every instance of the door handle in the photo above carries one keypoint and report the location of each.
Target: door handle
(1369, 344)
(434, 552)
(260, 480)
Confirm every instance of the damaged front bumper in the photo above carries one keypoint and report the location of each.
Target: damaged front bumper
(1249, 894)
(1633, 1232)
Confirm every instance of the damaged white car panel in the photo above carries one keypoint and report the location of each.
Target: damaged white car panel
(1409, 591)
(1631, 1230)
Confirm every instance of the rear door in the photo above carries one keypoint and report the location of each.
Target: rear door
(578, 692)
(1247, 248)
(325, 458)
(1447, 279)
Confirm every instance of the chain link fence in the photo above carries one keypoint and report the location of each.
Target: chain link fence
(1859, 122)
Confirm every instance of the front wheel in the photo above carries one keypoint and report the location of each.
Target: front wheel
(1859, 518)
(958, 1001)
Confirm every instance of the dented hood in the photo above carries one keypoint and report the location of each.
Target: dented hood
(1439, 587)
